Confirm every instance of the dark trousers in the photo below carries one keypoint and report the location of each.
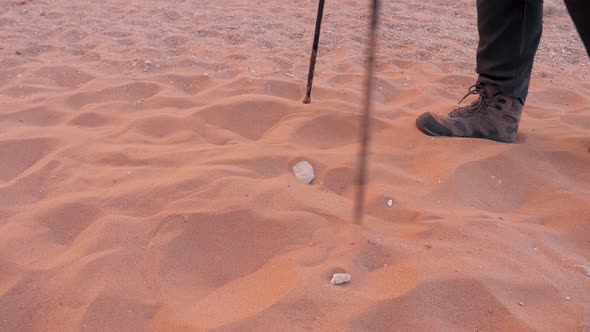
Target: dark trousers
(509, 34)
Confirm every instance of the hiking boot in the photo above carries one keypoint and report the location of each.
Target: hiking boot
(493, 116)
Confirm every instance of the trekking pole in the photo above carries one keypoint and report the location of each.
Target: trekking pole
(361, 179)
(314, 52)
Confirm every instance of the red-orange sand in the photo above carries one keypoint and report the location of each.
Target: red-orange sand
(145, 178)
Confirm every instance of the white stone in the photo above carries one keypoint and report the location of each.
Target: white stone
(584, 268)
(340, 278)
(390, 203)
(304, 172)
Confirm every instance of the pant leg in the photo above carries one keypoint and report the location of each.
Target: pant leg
(509, 34)
(580, 12)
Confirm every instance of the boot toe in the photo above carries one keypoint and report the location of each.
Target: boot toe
(429, 125)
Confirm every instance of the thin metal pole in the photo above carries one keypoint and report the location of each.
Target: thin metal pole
(365, 128)
(314, 52)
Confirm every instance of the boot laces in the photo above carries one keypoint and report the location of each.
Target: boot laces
(476, 89)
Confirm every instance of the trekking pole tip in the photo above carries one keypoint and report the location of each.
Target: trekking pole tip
(307, 100)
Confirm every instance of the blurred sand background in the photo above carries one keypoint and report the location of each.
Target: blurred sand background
(145, 176)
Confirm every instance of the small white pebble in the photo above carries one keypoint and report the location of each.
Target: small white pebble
(584, 268)
(521, 304)
(568, 298)
(340, 278)
(304, 172)
(390, 203)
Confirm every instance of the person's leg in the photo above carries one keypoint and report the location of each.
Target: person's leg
(580, 12)
(509, 34)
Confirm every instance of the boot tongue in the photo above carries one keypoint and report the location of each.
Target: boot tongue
(491, 90)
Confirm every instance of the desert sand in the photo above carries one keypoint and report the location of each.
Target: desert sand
(145, 176)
